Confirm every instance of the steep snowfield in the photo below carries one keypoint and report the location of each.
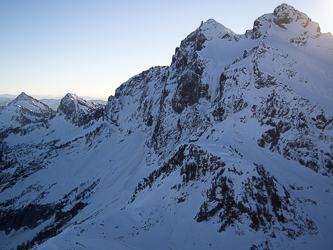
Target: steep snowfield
(231, 146)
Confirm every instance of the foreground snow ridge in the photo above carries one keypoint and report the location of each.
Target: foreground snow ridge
(229, 147)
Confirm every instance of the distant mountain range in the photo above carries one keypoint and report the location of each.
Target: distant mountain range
(229, 147)
(53, 103)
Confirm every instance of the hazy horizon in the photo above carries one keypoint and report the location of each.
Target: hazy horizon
(39, 97)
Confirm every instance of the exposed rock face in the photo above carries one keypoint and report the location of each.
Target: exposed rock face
(187, 66)
(234, 138)
(79, 111)
(285, 14)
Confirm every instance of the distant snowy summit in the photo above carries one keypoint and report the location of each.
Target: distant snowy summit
(27, 102)
(71, 103)
(25, 109)
(78, 110)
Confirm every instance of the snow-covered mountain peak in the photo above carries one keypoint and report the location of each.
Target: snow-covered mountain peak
(212, 29)
(286, 14)
(288, 23)
(288, 17)
(77, 109)
(23, 96)
(71, 96)
(25, 101)
(70, 102)
(24, 110)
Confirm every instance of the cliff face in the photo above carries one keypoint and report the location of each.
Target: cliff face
(78, 110)
(231, 145)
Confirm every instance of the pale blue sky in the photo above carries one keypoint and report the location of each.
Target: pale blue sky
(91, 47)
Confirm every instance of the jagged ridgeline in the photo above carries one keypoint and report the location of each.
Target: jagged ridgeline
(231, 146)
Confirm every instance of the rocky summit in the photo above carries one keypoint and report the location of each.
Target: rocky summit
(229, 147)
